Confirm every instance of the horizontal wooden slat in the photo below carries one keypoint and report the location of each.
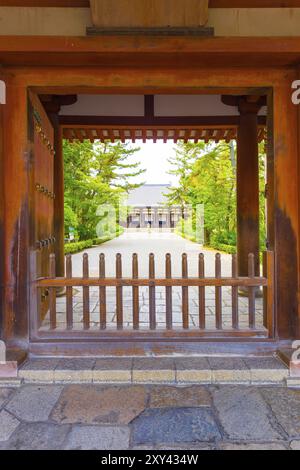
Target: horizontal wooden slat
(113, 282)
(156, 335)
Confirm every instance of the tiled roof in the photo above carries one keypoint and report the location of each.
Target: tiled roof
(148, 195)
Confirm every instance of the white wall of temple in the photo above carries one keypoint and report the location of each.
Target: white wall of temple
(73, 21)
(164, 105)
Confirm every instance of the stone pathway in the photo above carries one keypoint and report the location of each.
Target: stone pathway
(159, 243)
(149, 417)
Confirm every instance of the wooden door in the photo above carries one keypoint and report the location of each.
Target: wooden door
(42, 192)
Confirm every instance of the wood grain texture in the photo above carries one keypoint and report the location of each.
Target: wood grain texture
(148, 51)
(102, 292)
(212, 3)
(15, 226)
(149, 13)
(286, 211)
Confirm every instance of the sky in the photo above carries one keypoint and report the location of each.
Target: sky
(154, 158)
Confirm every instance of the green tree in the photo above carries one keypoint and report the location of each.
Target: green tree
(95, 175)
(207, 175)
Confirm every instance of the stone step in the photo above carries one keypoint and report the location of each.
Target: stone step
(293, 382)
(10, 382)
(153, 370)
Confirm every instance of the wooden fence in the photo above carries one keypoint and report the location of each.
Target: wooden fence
(250, 285)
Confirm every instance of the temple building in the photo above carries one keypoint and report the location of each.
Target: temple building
(148, 208)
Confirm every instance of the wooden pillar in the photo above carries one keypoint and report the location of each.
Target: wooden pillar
(1, 220)
(15, 224)
(285, 237)
(247, 187)
(297, 323)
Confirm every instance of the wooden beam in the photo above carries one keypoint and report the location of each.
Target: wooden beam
(148, 51)
(213, 3)
(46, 3)
(169, 121)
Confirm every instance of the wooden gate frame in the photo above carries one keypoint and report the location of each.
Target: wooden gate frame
(154, 332)
(165, 77)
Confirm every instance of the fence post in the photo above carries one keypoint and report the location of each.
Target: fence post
(251, 290)
(218, 293)
(52, 292)
(34, 297)
(69, 293)
(152, 301)
(135, 293)
(169, 302)
(185, 294)
(86, 293)
(119, 293)
(102, 292)
(201, 292)
(269, 292)
(234, 294)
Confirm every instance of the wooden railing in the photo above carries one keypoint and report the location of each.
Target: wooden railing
(249, 285)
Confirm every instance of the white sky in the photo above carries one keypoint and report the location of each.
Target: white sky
(154, 158)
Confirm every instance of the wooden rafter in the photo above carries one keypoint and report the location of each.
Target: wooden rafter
(155, 121)
(114, 133)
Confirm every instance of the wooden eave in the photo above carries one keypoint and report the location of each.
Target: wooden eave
(152, 51)
(154, 134)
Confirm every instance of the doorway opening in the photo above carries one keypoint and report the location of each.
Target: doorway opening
(152, 266)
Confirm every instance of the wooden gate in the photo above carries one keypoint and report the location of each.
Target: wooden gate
(89, 317)
(42, 191)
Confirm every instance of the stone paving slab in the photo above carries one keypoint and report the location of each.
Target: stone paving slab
(168, 397)
(37, 436)
(5, 394)
(162, 426)
(98, 438)
(200, 447)
(285, 404)
(295, 445)
(34, 404)
(150, 417)
(88, 404)
(253, 446)
(244, 414)
(8, 424)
